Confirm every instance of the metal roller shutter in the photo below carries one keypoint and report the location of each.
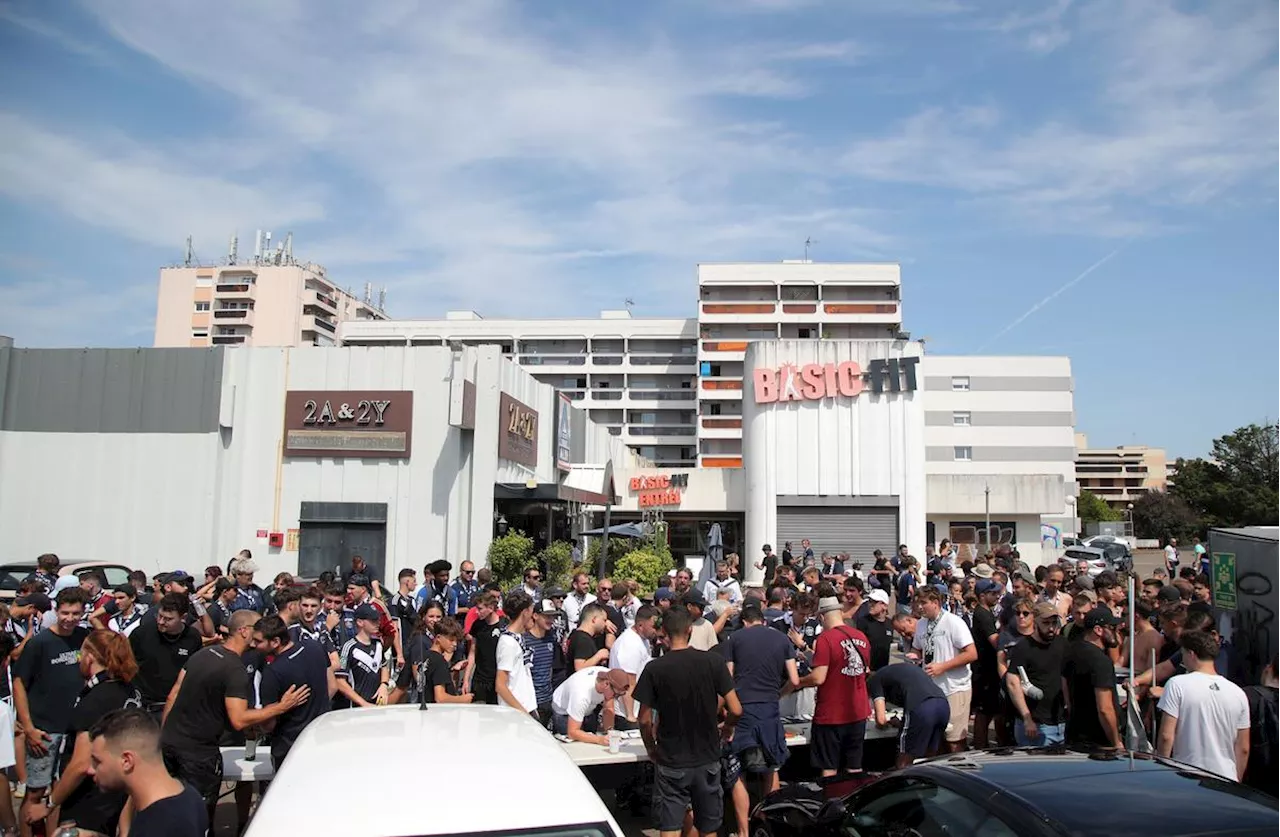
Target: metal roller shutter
(854, 530)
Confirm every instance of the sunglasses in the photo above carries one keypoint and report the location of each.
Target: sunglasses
(468, 572)
(1022, 613)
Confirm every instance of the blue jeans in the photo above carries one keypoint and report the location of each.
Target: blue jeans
(1050, 734)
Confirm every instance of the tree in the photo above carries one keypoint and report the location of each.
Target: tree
(1158, 514)
(1093, 509)
(1237, 487)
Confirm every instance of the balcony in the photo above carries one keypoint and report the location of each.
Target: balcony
(317, 324)
(321, 300)
(873, 312)
(606, 395)
(737, 312)
(720, 462)
(607, 360)
(228, 339)
(666, 362)
(234, 316)
(647, 430)
(663, 395)
(552, 360)
(234, 290)
(718, 423)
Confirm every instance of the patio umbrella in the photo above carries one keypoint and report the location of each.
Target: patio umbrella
(715, 552)
(622, 530)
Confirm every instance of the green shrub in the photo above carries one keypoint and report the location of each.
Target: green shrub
(557, 558)
(647, 567)
(509, 556)
(617, 548)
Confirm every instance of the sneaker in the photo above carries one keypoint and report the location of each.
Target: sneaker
(19, 790)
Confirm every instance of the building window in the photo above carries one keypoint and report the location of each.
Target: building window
(204, 281)
(960, 384)
(202, 306)
(200, 332)
(961, 419)
(964, 453)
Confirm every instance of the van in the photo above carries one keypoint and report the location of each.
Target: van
(446, 769)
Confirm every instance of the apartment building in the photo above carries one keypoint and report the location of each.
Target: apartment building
(802, 300)
(672, 388)
(999, 435)
(637, 377)
(269, 301)
(1121, 474)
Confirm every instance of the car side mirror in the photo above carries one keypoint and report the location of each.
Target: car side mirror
(831, 812)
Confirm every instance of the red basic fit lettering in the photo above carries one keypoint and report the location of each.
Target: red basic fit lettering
(811, 382)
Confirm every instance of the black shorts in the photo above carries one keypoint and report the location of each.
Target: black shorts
(485, 691)
(676, 789)
(202, 771)
(837, 746)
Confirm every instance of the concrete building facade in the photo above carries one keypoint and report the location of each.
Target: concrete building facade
(166, 459)
(256, 304)
(1121, 474)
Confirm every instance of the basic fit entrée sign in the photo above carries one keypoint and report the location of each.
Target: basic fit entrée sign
(816, 381)
(659, 490)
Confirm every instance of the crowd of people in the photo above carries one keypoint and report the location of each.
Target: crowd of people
(115, 690)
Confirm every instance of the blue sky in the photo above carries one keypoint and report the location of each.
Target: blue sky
(531, 159)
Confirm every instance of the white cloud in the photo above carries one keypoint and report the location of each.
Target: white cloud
(1188, 111)
(136, 191)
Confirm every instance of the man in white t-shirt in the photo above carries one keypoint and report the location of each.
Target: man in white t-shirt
(946, 651)
(1171, 557)
(722, 581)
(631, 652)
(1206, 716)
(574, 703)
(514, 682)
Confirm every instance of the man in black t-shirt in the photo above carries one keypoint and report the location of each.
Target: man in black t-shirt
(482, 657)
(925, 711)
(296, 665)
(162, 646)
(431, 678)
(586, 644)
(690, 691)
(1093, 719)
(987, 690)
(1034, 679)
(127, 757)
(874, 623)
(46, 680)
(213, 694)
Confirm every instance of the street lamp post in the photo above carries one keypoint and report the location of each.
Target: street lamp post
(1129, 514)
(986, 490)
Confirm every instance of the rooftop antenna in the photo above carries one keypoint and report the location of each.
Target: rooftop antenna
(257, 247)
(266, 247)
(808, 242)
(232, 254)
(190, 254)
(288, 248)
(368, 293)
(629, 303)
(382, 299)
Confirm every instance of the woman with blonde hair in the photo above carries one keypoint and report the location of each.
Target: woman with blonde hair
(108, 667)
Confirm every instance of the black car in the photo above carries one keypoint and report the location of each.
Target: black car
(1021, 792)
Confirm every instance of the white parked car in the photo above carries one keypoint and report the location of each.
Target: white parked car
(407, 792)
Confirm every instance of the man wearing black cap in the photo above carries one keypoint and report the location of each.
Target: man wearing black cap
(363, 678)
(1093, 718)
(703, 636)
(436, 587)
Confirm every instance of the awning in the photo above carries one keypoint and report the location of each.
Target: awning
(583, 484)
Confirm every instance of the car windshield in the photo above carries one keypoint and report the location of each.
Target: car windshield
(11, 577)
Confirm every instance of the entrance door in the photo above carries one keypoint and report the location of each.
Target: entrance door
(329, 546)
(852, 529)
(333, 532)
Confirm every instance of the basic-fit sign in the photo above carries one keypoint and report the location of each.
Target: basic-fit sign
(517, 431)
(659, 490)
(358, 423)
(816, 381)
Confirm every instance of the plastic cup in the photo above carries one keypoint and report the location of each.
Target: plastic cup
(615, 741)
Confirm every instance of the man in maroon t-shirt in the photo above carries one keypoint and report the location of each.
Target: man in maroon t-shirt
(841, 658)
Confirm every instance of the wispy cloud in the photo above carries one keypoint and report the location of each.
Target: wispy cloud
(1187, 109)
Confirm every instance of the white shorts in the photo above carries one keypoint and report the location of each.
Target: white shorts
(7, 756)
